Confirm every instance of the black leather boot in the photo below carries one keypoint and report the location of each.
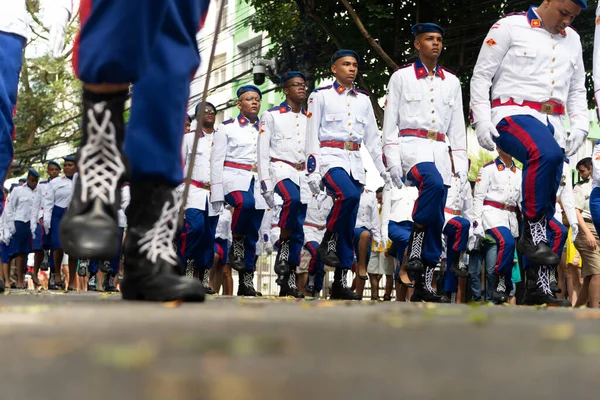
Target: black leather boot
(288, 287)
(236, 254)
(499, 292)
(460, 269)
(340, 289)
(538, 290)
(282, 267)
(416, 243)
(534, 243)
(246, 285)
(327, 250)
(424, 292)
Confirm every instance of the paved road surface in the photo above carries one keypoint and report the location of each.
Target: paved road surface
(92, 346)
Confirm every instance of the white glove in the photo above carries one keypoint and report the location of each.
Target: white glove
(473, 243)
(575, 140)
(486, 132)
(58, 28)
(574, 231)
(218, 206)
(387, 179)
(46, 229)
(462, 177)
(396, 175)
(33, 234)
(478, 231)
(268, 248)
(6, 239)
(269, 198)
(314, 182)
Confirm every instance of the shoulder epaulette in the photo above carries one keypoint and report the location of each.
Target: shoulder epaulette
(276, 108)
(322, 88)
(514, 13)
(363, 92)
(404, 66)
(229, 121)
(490, 163)
(448, 70)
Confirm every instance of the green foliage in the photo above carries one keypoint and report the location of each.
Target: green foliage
(479, 160)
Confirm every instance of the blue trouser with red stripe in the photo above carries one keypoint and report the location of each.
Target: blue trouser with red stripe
(292, 217)
(341, 220)
(11, 61)
(429, 207)
(246, 221)
(197, 238)
(505, 243)
(316, 267)
(457, 236)
(399, 234)
(532, 143)
(557, 236)
(595, 208)
(154, 47)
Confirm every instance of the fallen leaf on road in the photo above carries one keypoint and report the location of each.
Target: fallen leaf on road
(172, 304)
(326, 304)
(589, 344)
(133, 356)
(558, 332)
(478, 318)
(588, 315)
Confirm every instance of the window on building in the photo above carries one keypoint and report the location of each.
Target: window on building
(219, 74)
(224, 15)
(249, 52)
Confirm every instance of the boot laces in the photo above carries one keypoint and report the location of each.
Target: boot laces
(453, 297)
(417, 245)
(205, 277)
(311, 281)
(189, 268)
(544, 280)
(92, 281)
(100, 165)
(292, 281)
(501, 284)
(248, 280)
(284, 251)
(538, 231)
(344, 279)
(552, 273)
(238, 248)
(156, 242)
(461, 261)
(332, 244)
(429, 271)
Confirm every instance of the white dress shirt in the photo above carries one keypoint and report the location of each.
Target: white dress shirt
(522, 61)
(459, 199)
(235, 141)
(416, 100)
(317, 211)
(368, 214)
(58, 193)
(224, 226)
(198, 194)
(282, 137)
(398, 205)
(502, 185)
(20, 207)
(342, 115)
(13, 18)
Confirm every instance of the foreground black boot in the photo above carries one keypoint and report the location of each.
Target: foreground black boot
(340, 289)
(553, 282)
(537, 289)
(236, 254)
(310, 286)
(246, 285)
(416, 242)
(499, 293)
(460, 269)
(327, 250)
(109, 283)
(90, 228)
(288, 287)
(204, 276)
(534, 243)
(424, 292)
(150, 262)
(282, 267)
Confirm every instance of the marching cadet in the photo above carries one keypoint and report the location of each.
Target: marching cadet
(458, 217)
(341, 118)
(366, 230)
(423, 125)
(20, 210)
(234, 180)
(319, 208)
(496, 198)
(282, 170)
(195, 243)
(533, 64)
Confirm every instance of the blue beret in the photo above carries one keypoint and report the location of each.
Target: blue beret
(425, 27)
(291, 74)
(33, 172)
(22, 180)
(344, 53)
(249, 88)
(581, 3)
(72, 159)
(208, 103)
(52, 162)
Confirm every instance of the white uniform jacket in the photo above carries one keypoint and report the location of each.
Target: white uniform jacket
(233, 160)
(398, 205)
(317, 211)
(58, 193)
(344, 116)
(281, 145)
(521, 61)
(432, 105)
(459, 202)
(20, 206)
(199, 192)
(368, 214)
(501, 185)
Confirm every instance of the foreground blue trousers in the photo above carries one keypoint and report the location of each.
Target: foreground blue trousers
(399, 234)
(197, 238)
(316, 267)
(457, 237)
(292, 217)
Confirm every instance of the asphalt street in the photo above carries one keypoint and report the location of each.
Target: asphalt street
(95, 346)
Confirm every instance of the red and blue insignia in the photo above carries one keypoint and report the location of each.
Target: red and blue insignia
(283, 109)
(491, 42)
(340, 89)
(311, 164)
(475, 224)
(243, 121)
(471, 116)
(263, 186)
(536, 23)
(265, 238)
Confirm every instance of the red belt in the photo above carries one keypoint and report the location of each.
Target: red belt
(349, 145)
(245, 167)
(319, 227)
(423, 133)
(201, 185)
(274, 226)
(500, 206)
(298, 166)
(451, 211)
(548, 107)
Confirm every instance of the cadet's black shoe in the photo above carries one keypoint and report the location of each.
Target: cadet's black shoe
(150, 260)
(340, 289)
(2, 288)
(282, 267)
(90, 226)
(310, 286)
(246, 285)
(553, 282)
(288, 287)
(109, 284)
(534, 243)
(105, 267)
(499, 294)
(92, 284)
(537, 288)
(82, 268)
(205, 277)
(236, 254)
(52, 281)
(459, 267)
(416, 242)
(424, 292)
(327, 250)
